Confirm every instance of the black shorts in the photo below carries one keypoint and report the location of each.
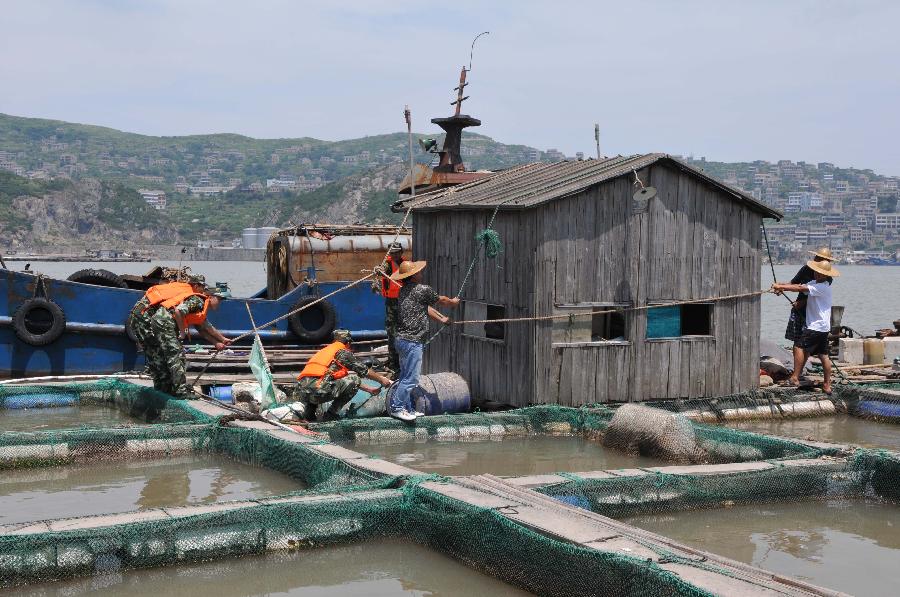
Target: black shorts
(813, 342)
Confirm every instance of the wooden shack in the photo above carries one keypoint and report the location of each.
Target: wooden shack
(577, 239)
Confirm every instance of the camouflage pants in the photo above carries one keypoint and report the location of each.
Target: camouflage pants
(391, 317)
(158, 333)
(337, 391)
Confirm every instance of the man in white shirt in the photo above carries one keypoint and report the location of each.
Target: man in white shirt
(814, 340)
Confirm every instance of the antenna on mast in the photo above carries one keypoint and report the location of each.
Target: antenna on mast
(597, 138)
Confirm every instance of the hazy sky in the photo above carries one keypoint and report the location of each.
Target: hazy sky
(813, 80)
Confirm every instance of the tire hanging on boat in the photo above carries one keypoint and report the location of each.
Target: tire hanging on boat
(313, 325)
(129, 331)
(39, 321)
(98, 277)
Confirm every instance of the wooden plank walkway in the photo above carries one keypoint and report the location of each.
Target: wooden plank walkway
(587, 529)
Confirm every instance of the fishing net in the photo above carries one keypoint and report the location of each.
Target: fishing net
(348, 499)
(873, 474)
(875, 402)
(142, 404)
(652, 432)
(710, 443)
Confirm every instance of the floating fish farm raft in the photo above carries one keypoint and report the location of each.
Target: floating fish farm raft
(565, 532)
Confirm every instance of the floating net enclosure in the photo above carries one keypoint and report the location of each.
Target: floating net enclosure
(865, 474)
(352, 498)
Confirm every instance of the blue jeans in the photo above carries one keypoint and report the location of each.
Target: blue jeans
(410, 370)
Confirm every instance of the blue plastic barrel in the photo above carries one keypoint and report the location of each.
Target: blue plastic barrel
(42, 400)
(221, 393)
(442, 393)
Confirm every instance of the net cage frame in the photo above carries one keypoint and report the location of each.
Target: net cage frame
(351, 501)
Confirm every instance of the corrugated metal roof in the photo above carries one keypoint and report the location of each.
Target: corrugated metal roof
(530, 185)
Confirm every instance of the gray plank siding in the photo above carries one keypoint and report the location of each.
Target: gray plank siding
(692, 242)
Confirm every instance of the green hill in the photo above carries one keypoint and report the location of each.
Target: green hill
(80, 151)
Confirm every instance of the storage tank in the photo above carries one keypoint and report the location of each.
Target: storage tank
(262, 236)
(339, 256)
(248, 238)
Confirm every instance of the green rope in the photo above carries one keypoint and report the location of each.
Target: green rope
(491, 241)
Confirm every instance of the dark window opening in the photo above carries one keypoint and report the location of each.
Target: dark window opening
(495, 331)
(608, 326)
(696, 320)
(679, 320)
(479, 311)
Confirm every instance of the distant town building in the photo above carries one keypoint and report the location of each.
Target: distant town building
(209, 190)
(155, 199)
(887, 222)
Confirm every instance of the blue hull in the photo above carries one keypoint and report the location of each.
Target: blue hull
(94, 341)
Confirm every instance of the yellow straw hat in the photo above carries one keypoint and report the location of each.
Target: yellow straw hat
(823, 267)
(407, 269)
(824, 253)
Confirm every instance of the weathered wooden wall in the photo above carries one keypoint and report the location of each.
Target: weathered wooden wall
(447, 241)
(692, 242)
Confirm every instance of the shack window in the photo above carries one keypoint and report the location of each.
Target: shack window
(589, 324)
(679, 320)
(474, 310)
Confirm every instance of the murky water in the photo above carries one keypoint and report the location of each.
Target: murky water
(851, 546)
(83, 490)
(840, 429)
(64, 417)
(507, 457)
(379, 569)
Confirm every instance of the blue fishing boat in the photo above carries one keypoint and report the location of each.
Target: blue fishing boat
(50, 326)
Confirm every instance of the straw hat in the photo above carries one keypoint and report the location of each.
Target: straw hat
(823, 267)
(824, 253)
(407, 269)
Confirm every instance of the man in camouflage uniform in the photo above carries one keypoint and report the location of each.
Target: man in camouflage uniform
(160, 329)
(334, 374)
(390, 290)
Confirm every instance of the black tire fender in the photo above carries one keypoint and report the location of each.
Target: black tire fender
(315, 324)
(129, 331)
(98, 277)
(39, 321)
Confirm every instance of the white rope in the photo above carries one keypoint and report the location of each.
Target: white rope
(619, 310)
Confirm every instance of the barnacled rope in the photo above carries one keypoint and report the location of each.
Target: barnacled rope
(619, 310)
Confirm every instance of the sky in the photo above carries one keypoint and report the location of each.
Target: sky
(813, 80)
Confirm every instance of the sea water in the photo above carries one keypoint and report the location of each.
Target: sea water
(64, 417)
(848, 545)
(510, 456)
(838, 429)
(111, 487)
(377, 569)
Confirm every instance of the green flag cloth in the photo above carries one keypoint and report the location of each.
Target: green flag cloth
(260, 368)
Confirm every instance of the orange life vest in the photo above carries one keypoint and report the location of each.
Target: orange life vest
(389, 288)
(318, 365)
(173, 294)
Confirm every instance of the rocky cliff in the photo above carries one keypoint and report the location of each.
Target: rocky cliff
(86, 213)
